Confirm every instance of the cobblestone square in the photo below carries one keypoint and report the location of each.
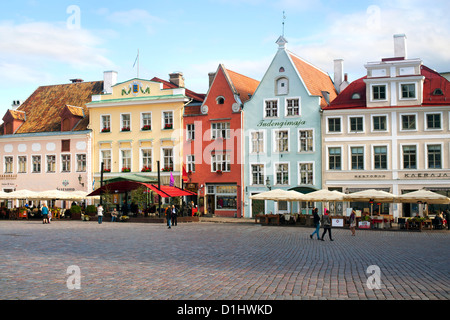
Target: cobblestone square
(215, 261)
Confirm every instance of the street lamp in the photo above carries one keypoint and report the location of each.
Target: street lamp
(79, 180)
(268, 183)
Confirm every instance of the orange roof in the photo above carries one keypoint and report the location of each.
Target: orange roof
(243, 85)
(44, 106)
(18, 115)
(315, 79)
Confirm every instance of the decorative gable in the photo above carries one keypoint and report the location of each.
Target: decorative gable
(70, 117)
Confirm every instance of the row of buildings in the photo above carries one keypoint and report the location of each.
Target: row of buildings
(295, 129)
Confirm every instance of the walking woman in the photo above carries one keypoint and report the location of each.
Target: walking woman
(352, 222)
(316, 223)
(44, 212)
(326, 225)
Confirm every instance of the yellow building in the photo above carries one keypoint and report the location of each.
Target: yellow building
(137, 123)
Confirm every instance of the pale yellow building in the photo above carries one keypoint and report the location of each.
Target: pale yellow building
(135, 124)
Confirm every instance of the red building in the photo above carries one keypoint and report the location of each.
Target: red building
(213, 143)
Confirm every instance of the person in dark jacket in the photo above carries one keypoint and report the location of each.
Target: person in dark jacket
(326, 225)
(316, 222)
(447, 217)
(174, 215)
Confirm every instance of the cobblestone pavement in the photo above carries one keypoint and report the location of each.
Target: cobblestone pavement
(212, 261)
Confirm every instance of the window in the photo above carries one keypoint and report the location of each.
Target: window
(434, 156)
(168, 159)
(257, 142)
(380, 157)
(126, 160)
(190, 128)
(438, 92)
(190, 162)
(220, 130)
(409, 122)
(146, 121)
(282, 141)
(65, 145)
(282, 86)
(433, 121)
(9, 164)
(306, 173)
(334, 124)
(36, 164)
(271, 108)
(221, 162)
(379, 123)
(168, 120)
(51, 163)
(357, 154)
(81, 163)
(282, 173)
(408, 91)
(146, 155)
(220, 100)
(22, 164)
(106, 159)
(125, 120)
(226, 197)
(334, 158)
(258, 174)
(105, 123)
(409, 157)
(379, 92)
(65, 163)
(356, 124)
(293, 107)
(306, 143)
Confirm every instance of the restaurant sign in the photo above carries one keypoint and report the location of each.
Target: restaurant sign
(427, 175)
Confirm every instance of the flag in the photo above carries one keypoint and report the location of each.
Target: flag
(137, 57)
(172, 180)
(185, 176)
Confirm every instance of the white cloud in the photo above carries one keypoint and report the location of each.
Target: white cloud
(133, 17)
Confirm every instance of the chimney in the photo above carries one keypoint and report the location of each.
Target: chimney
(109, 80)
(400, 46)
(338, 73)
(211, 76)
(16, 104)
(76, 80)
(177, 78)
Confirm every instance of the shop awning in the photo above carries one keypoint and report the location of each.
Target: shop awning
(125, 186)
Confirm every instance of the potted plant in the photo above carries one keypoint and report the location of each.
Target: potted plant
(106, 129)
(126, 169)
(146, 127)
(167, 169)
(106, 170)
(168, 126)
(91, 210)
(219, 171)
(75, 212)
(125, 129)
(146, 169)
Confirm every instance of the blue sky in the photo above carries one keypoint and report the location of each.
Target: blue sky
(50, 42)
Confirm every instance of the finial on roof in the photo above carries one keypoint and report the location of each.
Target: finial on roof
(281, 42)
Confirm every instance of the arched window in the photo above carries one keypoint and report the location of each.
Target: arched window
(282, 86)
(220, 100)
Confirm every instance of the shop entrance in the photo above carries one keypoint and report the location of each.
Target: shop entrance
(210, 204)
(258, 207)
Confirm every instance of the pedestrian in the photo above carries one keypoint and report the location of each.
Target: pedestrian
(447, 217)
(44, 211)
(326, 225)
(168, 217)
(49, 215)
(352, 222)
(316, 223)
(174, 215)
(114, 214)
(100, 213)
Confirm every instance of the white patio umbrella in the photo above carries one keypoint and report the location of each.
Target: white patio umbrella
(325, 195)
(371, 194)
(280, 195)
(4, 195)
(423, 196)
(57, 195)
(23, 194)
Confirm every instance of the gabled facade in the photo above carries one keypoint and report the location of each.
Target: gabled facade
(137, 123)
(213, 157)
(283, 130)
(390, 131)
(45, 142)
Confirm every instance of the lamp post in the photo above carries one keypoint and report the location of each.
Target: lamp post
(268, 184)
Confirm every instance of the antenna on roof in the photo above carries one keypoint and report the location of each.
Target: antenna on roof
(137, 60)
(284, 18)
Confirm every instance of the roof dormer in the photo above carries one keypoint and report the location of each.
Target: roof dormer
(13, 119)
(70, 116)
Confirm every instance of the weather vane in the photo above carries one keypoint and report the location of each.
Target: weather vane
(284, 18)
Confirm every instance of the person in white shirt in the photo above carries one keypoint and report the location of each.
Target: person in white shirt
(100, 213)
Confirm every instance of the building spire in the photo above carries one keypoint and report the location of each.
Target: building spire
(284, 18)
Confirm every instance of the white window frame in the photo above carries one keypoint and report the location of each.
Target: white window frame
(327, 123)
(349, 128)
(372, 123)
(299, 177)
(401, 122)
(61, 162)
(18, 164)
(163, 119)
(275, 182)
(142, 119)
(163, 157)
(299, 107)
(425, 121)
(372, 148)
(442, 155)
(102, 160)
(417, 155)
(264, 167)
(275, 141)
(141, 158)
(122, 121)
(225, 158)
(278, 109)
(77, 168)
(4, 164)
(121, 158)
(349, 157)
(263, 132)
(327, 158)
(32, 164)
(386, 85)
(216, 133)
(190, 162)
(313, 140)
(400, 95)
(190, 133)
(110, 122)
(55, 163)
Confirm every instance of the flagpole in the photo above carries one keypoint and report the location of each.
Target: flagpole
(138, 65)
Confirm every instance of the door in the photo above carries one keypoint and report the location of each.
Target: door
(258, 207)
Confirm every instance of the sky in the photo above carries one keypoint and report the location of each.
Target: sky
(51, 42)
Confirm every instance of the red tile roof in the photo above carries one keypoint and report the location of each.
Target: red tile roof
(243, 85)
(44, 106)
(348, 98)
(197, 97)
(315, 79)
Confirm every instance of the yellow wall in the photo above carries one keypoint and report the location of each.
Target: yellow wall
(122, 101)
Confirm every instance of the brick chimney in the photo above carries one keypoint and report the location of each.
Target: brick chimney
(211, 76)
(177, 79)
